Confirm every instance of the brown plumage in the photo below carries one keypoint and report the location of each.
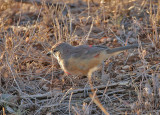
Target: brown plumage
(82, 59)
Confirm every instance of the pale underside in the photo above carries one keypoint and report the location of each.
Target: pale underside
(81, 66)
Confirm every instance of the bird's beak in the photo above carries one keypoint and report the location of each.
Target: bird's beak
(49, 53)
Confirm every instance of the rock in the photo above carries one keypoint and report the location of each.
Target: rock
(126, 67)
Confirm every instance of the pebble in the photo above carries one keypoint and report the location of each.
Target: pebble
(126, 67)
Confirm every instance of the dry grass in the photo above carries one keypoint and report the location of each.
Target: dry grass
(32, 83)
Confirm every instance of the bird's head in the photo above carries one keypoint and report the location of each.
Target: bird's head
(59, 49)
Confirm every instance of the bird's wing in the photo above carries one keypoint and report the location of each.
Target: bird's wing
(85, 51)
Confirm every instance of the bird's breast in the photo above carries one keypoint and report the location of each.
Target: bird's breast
(84, 65)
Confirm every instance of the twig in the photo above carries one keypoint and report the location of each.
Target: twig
(122, 42)
(13, 74)
(87, 36)
(70, 104)
(95, 99)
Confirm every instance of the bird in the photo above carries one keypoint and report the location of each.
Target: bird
(82, 59)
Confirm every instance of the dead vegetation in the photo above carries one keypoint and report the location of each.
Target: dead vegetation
(32, 83)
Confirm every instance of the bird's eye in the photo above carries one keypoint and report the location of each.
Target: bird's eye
(54, 51)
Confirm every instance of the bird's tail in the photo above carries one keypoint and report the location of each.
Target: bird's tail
(114, 50)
